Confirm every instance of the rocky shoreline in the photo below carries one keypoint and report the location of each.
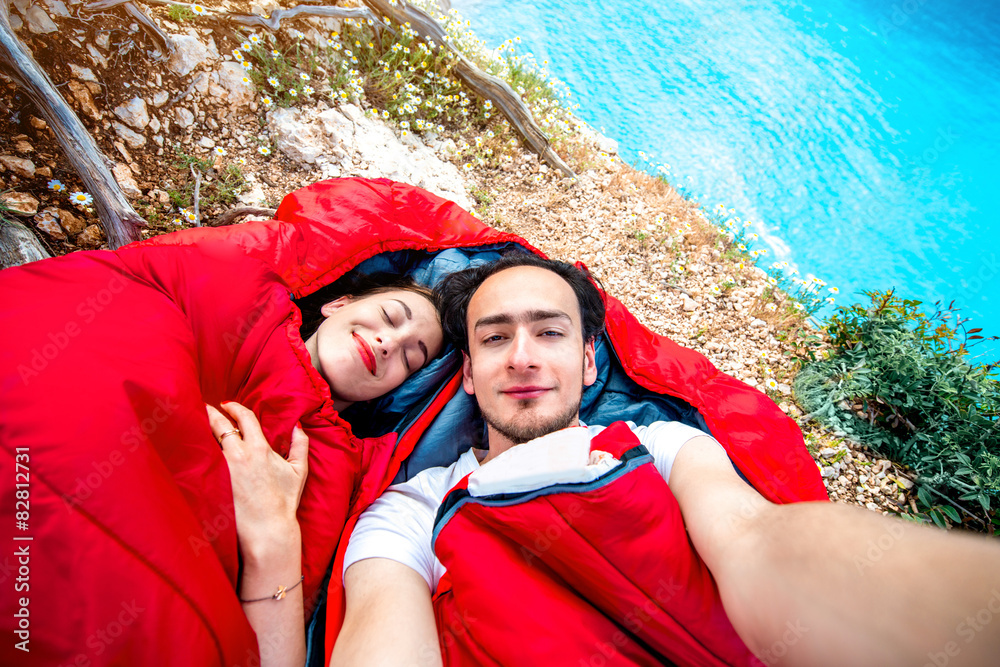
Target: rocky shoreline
(653, 249)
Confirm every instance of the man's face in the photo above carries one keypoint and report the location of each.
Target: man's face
(527, 362)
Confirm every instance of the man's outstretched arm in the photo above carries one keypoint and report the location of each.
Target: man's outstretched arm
(389, 618)
(825, 584)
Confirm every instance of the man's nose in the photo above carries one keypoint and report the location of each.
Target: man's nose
(522, 351)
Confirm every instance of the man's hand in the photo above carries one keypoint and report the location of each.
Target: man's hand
(389, 620)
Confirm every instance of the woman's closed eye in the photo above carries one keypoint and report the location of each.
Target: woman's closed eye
(388, 320)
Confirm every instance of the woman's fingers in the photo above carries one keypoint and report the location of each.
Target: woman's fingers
(247, 421)
(298, 453)
(221, 424)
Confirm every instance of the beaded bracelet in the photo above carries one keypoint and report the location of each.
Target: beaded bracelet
(282, 590)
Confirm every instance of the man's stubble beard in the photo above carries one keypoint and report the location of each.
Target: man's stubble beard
(519, 432)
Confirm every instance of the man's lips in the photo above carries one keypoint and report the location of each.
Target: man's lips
(367, 355)
(525, 392)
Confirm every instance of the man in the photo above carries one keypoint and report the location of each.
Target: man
(527, 327)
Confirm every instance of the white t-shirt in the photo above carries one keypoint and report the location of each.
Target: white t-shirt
(399, 525)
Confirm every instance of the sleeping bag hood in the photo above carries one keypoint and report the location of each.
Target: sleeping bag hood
(119, 502)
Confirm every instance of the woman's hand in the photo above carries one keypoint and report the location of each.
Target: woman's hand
(266, 493)
(266, 487)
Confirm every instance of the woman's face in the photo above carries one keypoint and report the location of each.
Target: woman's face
(366, 347)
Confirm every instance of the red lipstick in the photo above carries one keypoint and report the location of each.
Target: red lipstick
(367, 355)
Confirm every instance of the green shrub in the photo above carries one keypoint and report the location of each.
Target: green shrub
(924, 403)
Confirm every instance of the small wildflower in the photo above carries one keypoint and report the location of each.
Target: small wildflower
(56, 186)
(771, 384)
(81, 198)
(764, 355)
(835, 290)
(404, 133)
(385, 114)
(303, 76)
(799, 306)
(830, 300)
(467, 166)
(247, 66)
(237, 54)
(264, 150)
(266, 101)
(770, 307)
(714, 289)
(198, 9)
(254, 39)
(293, 93)
(177, 221)
(273, 81)
(246, 80)
(275, 53)
(656, 298)
(246, 46)
(219, 150)
(189, 215)
(768, 371)
(241, 161)
(308, 90)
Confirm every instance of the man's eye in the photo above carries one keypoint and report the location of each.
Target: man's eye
(493, 339)
(552, 333)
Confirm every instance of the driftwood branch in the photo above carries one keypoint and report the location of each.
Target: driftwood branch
(272, 23)
(167, 46)
(485, 85)
(234, 214)
(120, 221)
(197, 195)
(18, 245)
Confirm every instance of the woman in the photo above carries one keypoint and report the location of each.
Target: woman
(364, 346)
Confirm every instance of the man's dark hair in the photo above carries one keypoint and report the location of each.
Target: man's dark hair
(455, 292)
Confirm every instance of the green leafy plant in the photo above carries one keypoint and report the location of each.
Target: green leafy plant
(180, 13)
(925, 404)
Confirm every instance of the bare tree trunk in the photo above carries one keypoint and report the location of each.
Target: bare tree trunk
(120, 221)
(486, 85)
(18, 245)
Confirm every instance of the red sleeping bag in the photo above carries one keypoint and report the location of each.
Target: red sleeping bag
(123, 548)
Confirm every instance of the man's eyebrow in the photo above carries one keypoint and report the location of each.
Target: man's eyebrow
(406, 309)
(528, 316)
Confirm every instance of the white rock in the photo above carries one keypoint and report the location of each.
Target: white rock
(363, 147)
(154, 124)
(191, 52)
(97, 56)
(131, 138)
(126, 181)
(689, 303)
(827, 471)
(82, 73)
(38, 21)
(23, 167)
(757, 323)
(20, 202)
(134, 113)
(828, 452)
(254, 196)
(103, 40)
(206, 142)
(183, 116)
(235, 91)
(57, 8)
(48, 222)
(160, 98)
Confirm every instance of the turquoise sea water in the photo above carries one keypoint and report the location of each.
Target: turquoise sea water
(863, 137)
